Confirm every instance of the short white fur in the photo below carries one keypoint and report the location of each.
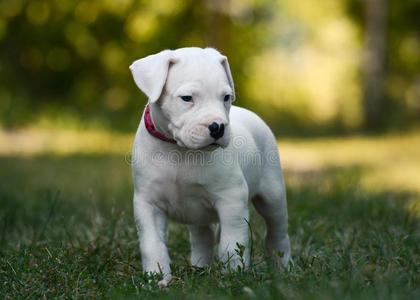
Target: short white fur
(242, 166)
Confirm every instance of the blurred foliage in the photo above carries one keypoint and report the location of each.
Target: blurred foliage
(402, 58)
(297, 63)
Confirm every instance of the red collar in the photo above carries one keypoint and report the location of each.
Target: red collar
(152, 129)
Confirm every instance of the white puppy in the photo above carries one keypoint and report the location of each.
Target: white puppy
(199, 160)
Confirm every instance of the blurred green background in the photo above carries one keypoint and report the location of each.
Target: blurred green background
(324, 74)
(307, 67)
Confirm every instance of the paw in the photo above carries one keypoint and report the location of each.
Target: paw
(281, 253)
(163, 284)
(285, 249)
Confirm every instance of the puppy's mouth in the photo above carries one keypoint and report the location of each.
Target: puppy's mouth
(210, 147)
(200, 140)
(215, 145)
(206, 147)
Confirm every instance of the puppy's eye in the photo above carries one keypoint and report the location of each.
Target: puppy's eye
(187, 98)
(226, 98)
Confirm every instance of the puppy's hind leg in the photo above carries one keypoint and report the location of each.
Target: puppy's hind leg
(270, 203)
(202, 243)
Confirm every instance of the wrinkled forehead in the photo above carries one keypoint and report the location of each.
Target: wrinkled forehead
(205, 71)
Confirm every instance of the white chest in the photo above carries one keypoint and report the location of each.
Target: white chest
(187, 203)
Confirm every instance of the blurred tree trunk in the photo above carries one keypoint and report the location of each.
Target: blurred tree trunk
(374, 61)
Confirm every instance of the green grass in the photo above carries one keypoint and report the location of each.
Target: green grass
(67, 231)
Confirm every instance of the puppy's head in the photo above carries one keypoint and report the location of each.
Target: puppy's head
(193, 89)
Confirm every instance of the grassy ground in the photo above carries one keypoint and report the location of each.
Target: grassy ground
(67, 231)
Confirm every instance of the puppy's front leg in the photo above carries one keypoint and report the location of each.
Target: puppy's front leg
(233, 217)
(151, 227)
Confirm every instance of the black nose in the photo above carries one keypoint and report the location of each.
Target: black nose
(216, 130)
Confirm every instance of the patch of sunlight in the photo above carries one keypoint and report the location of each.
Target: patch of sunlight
(384, 163)
(389, 162)
(36, 141)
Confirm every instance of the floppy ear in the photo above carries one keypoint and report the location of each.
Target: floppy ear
(150, 73)
(225, 65)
